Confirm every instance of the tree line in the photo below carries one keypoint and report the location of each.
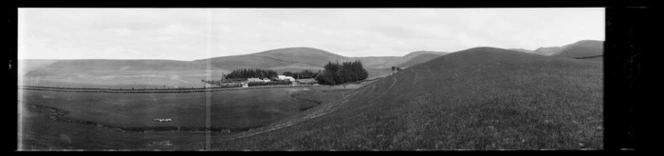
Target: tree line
(306, 74)
(332, 74)
(335, 73)
(250, 73)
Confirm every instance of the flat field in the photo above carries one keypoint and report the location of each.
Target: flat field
(228, 109)
(104, 120)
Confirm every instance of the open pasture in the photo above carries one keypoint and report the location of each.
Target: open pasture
(228, 109)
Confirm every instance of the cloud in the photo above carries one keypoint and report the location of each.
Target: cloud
(403, 32)
(189, 34)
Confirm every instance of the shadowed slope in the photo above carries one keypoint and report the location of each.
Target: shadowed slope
(480, 98)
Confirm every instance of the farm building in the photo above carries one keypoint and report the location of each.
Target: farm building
(284, 77)
(162, 119)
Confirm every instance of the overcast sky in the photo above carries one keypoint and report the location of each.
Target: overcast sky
(190, 34)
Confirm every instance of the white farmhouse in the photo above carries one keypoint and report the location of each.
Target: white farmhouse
(162, 119)
(284, 77)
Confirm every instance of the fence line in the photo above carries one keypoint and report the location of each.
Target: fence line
(149, 90)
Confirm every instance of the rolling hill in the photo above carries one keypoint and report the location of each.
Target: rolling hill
(170, 73)
(415, 54)
(166, 73)
(284, 59)
(480, 98)
(120, 73)
(582, 49)
(304, 55)
(379, 62)
(547, 51)
(386, 62)
(32, 64)
(419, 57)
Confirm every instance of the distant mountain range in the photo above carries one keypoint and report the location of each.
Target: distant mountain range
(419, 57)
(580, 49)
(301, 58)
(521, 50)
(151, 73)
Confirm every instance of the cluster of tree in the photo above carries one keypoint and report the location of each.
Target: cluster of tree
(249, 73)
(395, 69)
(336, 73)
(306, 74)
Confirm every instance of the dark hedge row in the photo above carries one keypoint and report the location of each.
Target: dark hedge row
(269, 83)
(306, 74)
(249, 73)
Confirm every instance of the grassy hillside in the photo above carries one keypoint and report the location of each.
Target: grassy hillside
(120, 73)
(275, 57)
(244, 61)
(581, 49)
(101, 73)
(304, 55)
(26, 65)
(481, 98)
(415, 54)
(419, 59)
(386, 62)
(548, 51)
(379, 62)
(297, 67)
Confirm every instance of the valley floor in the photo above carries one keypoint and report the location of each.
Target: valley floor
(50, 127)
